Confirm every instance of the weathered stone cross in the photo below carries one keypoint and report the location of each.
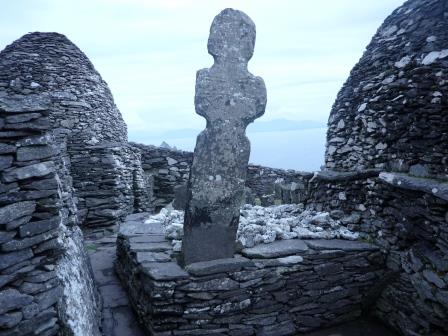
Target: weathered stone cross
(229, 97)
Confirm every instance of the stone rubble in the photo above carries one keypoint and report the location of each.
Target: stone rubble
(260, 225)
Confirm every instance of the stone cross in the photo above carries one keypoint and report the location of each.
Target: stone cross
(229, 97)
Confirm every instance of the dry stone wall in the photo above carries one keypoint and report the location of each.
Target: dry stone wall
(39, 237)
(391, 112)
(281, 288)
(165, 168)
(169, 169)
(387, 165)
(83, 115)
(110, 183)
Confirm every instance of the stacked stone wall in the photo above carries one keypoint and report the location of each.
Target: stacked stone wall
(167, 168)
(391, 116)
(288, 287)
(170, 168)
(84, 116)
(38, 230)
(110, 183)
(391, 112)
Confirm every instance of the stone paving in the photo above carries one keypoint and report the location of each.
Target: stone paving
(118, 318)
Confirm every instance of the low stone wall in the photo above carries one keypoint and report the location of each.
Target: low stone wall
(281, 288)
(40, 292)
(273, 186)
(265, 186)
(167, 168)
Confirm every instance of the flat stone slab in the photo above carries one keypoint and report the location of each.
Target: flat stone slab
(279, 248)
(218, 266)
(138, 227)
(164, 271)
(150, 247)
(148, 239)
(114, 296)
(340, 244)
(334, 176)
(427, 185)
(143, 257)
(138, 217)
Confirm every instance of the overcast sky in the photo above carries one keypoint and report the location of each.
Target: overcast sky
(149, 51)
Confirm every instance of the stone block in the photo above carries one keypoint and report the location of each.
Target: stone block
(10, 320)
(11, 299)
(164, 271)
(279, 248)
(144, 257)
(218, 266)
(16, 210)
(35, 153)
(340, 244)
(150, 247)
(34, 170)
(285, 328)
(224, 284)
(34, 228)
(5, 161)
(13, 258)
(24, 104)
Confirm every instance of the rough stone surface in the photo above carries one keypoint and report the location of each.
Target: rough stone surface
(47, 70)
(229, 98)
(37, 222)
(117, 317)
(217, 266)
(384, 183)
(278, 296)
(164, 270)
(430, 186)
(390, 116)
(393, 105)
(338, 244)
(276, 249)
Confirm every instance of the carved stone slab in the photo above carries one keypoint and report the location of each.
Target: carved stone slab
(229, 97)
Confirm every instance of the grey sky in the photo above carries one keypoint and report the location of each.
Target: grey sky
(149, 51)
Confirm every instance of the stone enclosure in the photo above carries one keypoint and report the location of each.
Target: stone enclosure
(281, 288)
(68, 170)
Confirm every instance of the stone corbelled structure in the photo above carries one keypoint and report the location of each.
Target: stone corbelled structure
(387, 162)
(64, 161)
(229, 98)
(392, 111)
(83, 109)
(83, 116)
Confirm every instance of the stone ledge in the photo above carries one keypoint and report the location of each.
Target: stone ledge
(335, 176)
(218, 266)
(134, 226)
(278, 248)
(25, 104)
(426, 185)
(163, 271)
(340, 244)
